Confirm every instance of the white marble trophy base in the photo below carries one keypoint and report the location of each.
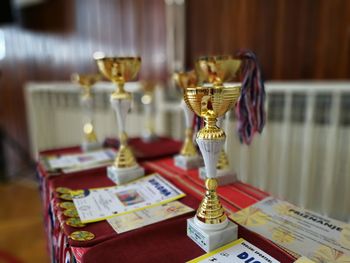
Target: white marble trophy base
(210, 237)
(223, 177)
(188, 162)
(124, 175)
(90, 146)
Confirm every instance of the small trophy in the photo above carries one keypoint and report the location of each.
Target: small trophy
(119, 70)
(188, 158)
(225, 175)
(210, 227)
(86, 81)
(147, 99)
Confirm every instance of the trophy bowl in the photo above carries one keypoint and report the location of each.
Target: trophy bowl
(185, 79)
(218, 69)
(212, 101)
(85, 80)
(119, 69)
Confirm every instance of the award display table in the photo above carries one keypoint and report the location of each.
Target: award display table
(158, 148)
(165, 241)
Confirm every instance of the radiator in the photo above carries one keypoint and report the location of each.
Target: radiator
(303, 154)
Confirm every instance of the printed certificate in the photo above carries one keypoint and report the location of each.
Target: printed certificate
(316, 237)
(148, 216)
(239, 251)
(102, 203)
(303, 260)
(77, 162)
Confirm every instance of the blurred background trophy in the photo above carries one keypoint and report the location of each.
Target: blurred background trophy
(210, 228)
(86, 81)
(225, 175)
(188, 157)
(120, 70)
(147, 99)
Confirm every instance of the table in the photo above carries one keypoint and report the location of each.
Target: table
(162, 242)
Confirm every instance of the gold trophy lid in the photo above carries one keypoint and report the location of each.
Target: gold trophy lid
(218, 69)
(118, 69)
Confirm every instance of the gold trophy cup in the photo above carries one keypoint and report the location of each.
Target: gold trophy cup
(120, 70)
(204, 69)
(86, 81)
(188, 157)
(210, 227)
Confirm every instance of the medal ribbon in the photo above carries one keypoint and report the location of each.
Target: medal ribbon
(250, 109)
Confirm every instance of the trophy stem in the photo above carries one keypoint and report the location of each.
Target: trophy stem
(210, 140)
(223, 162)
(88, 127)
(120, 87)
(89, 132)
(188, 148)
(86, 91)
(210, 210)
(210, 131)
(125, 157)
(149, 133)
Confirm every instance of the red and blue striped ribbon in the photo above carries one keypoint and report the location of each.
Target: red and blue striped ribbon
(250, 109)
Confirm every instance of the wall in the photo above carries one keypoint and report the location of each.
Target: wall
(294, 39)
(57, 38)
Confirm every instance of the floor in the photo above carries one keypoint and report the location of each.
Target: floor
(22, 237)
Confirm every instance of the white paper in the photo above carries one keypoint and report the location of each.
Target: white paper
(148, 216)
(71, 162)
(99, 204)
(239, 251)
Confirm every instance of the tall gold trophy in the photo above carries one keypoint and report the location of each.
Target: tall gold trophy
(225, 175)
(147, 99)
(120, 70)
(188, 158)
(86, 81)
(210, 100)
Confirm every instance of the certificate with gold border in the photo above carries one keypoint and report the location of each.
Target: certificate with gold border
(303, 232)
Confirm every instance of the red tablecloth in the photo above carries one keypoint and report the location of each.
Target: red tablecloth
(162, 242)
(161, 147)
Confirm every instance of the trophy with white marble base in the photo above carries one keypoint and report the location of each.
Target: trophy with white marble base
(188, 158)
(86, 81)
(119, 70)
(210, 228)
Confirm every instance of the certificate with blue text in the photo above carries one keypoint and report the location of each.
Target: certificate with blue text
(239, 251)
(102, 203)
